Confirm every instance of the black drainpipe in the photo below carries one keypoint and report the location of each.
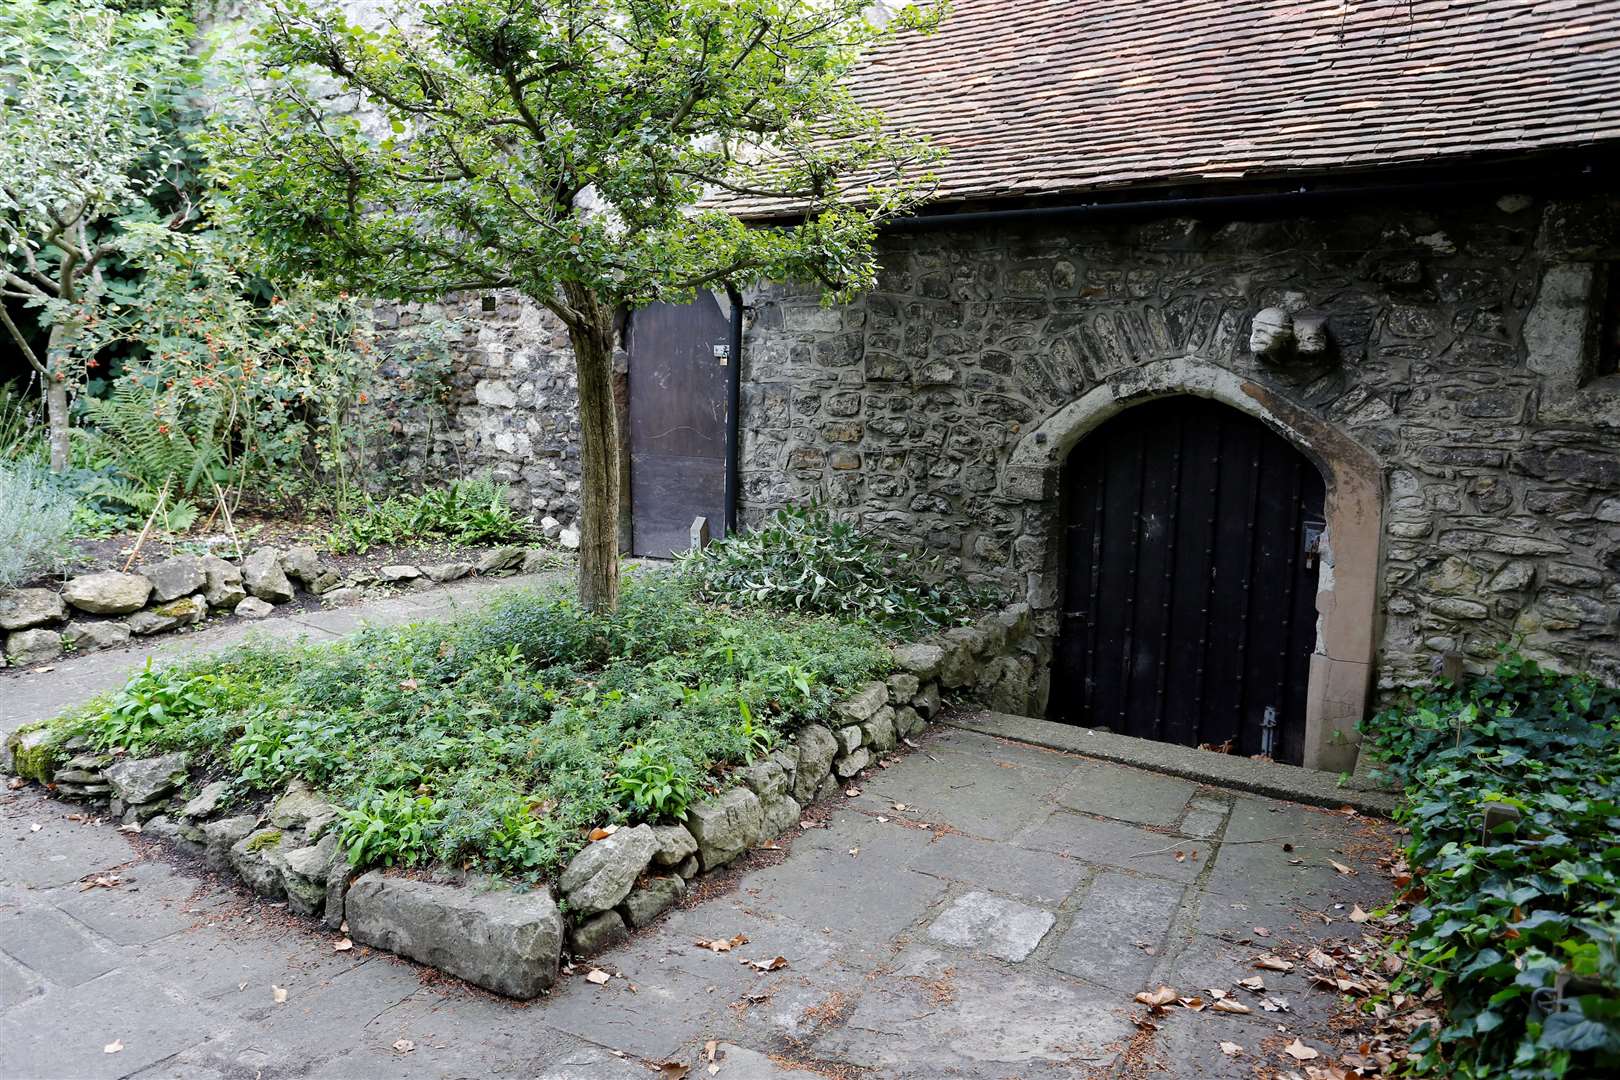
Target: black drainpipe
(733, 398)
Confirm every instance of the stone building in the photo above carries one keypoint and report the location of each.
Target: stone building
(1267, 350)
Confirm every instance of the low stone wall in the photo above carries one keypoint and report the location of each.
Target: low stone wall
(109, 608)
(512, 942)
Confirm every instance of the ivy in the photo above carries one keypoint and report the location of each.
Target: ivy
(1517, 927)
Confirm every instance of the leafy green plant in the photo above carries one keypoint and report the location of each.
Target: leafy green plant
(514, 722)
(805, 560)
(36, 523)
(150, 702)
(473, 510)
(390, 828)
(1505, 919)
(658, 784)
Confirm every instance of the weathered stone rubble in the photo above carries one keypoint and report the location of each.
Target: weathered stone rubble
(181, 591)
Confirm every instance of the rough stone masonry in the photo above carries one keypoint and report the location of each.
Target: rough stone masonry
(1457, 341)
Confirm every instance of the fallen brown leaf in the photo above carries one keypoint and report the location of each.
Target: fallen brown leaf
(674, 1070)
(1227, 1005)
(1273, 963)
(1253, 982)
(1357, 915)
(1231, 1049)
(597, 976)
(404, 1046)
(342, 945)
(776, 963)
(1164, 995)
(1300, 1052)
(852, 791)
(602, 833)
(1341, 868)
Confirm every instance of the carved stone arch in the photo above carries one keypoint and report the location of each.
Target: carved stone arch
(1341, 668)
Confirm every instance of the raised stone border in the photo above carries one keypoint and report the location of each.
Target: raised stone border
(512, 942)
(183, 590)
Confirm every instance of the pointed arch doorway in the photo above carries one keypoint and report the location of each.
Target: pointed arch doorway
(1191, 536)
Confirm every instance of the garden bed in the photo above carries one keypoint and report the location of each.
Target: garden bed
(597, 761)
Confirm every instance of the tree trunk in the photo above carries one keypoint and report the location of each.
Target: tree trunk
(592, 339)
(58, 354)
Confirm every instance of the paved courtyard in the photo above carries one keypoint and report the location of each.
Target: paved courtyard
(980, 909)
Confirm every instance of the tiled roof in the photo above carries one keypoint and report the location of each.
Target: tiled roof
(1039, 97)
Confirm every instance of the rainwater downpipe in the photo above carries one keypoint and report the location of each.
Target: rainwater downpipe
(733, 400)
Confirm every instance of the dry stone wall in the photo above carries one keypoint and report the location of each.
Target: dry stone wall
(1456, 341)
(507, 404)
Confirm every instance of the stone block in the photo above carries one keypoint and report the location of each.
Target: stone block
(920, 660)
(507, 942)
(33, 646)
(88, 636)
(399, 572)
(764, 778)
(654, 897)
(301, 810)
(302, 564)
(257, 859)
(506, 557)
(222, 582)
(879, 732)
(780, 816)
(726, 826)
(603, 873)
(597, 933)
(817, 747)
(850, 739)
(907, 721)
(305, 872)
(852, 763)
(164, 617)
(927, 701)
(206, 801)
(220, 836)
(263, 576)
(138, 781)
(252, 607)
(173, 578)
(902, 688)
(450, 571)
(108, 593)
(675, 843)
(864, 703)
(24, 609)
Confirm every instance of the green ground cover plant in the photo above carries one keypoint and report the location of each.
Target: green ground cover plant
(805, 560)
(498, 741)
(473, 510)
(1503, 920)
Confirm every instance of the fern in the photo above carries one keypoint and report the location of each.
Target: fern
(186, 454)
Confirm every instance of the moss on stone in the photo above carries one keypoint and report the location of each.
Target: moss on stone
(35, 754)
(267, 839)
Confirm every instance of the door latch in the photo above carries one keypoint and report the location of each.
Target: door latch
(1313, 542)
(722, 353)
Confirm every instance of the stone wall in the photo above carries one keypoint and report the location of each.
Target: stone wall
(507, 404)
(1460, 354)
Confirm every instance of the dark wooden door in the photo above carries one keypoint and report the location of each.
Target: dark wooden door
(677, 423)
(1190, 593)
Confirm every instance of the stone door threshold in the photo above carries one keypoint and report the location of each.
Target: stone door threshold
(1224, 770)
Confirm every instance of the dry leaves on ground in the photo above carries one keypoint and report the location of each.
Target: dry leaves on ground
(1231, 1049)
(1300, 1052)
(342, 945)
(404, 1046)
(597, 976)
(278, 994)
(721, 944)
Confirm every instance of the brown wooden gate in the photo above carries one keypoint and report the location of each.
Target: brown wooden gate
(1189, 614)
(678, 396)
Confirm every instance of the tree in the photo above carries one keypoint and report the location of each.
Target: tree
(576, 151)
(83, 91)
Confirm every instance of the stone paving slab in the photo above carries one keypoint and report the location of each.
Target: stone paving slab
(182, 970)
